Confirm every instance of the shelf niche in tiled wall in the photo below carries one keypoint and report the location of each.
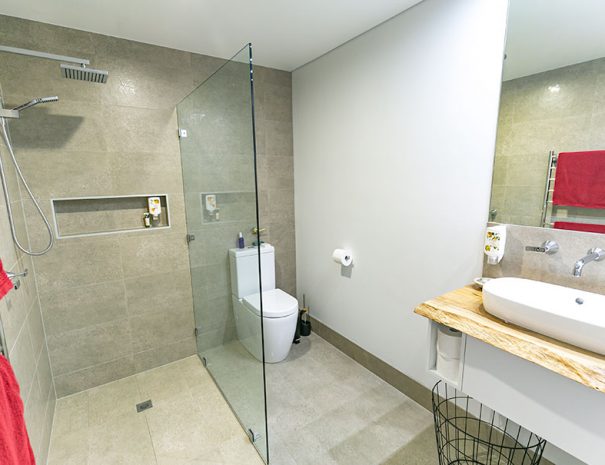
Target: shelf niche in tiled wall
(93, 216)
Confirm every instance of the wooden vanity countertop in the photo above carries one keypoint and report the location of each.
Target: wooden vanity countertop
(463, 310)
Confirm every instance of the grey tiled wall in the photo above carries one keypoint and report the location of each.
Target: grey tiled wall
(273, 106)
(557, 268)
(21, 319)
(534, 120)
(117, 304)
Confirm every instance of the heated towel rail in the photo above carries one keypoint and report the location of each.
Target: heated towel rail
(549, 212)
(549, 190)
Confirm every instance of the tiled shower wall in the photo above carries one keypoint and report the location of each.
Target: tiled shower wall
(118, 304)
(559, 110)
(21, 319)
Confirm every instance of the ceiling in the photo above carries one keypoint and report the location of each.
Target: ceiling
(549, 34)
(285, 34)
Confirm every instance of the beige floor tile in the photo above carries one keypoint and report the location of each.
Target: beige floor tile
(189, 424)
(237, 451)
(69, 448)
(123, 441)
(323, 407)
(111, 401)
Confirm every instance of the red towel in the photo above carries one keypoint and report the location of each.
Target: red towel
(586, 227)
(5, 283)
(580, 179)
(15, 448)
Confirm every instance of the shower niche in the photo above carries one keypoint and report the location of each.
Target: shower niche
(92, 216)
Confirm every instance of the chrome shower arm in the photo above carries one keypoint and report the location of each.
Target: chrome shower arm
(48, 56)
(6, 113)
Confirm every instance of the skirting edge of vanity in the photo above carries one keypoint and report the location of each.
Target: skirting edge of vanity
(463, 310)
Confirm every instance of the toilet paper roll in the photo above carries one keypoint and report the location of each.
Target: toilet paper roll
(448, 368)
(449, 342)
(342, 257)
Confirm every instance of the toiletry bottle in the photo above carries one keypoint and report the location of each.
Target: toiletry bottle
(240, 241)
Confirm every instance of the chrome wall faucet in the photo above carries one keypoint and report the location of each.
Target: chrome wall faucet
(594, 255)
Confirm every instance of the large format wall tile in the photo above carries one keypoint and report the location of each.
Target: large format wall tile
(94, 345)
(77, 308)
(557, 268)
(96, 375)
(78, 262)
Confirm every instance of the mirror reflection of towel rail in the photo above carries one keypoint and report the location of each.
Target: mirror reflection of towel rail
(14, 277)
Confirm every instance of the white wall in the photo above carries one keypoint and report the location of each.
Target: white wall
(394, 136)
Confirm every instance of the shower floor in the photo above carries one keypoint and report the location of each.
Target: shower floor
(189, 424)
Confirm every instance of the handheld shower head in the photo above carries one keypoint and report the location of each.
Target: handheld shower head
(36, 101)
(82, 73)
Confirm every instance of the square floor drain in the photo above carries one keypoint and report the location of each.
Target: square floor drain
(144, 406)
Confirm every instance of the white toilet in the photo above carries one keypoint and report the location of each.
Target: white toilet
(280, 310)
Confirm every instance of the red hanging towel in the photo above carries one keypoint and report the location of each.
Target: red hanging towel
(580, 179)
(5, 283)
(586, 227)
(15, 448)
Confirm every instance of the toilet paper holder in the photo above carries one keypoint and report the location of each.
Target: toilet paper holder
(451, 355)
(343, 257)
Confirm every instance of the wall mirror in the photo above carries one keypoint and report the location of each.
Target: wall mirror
(549, 168)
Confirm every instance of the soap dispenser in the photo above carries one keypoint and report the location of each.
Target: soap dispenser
(495, 241)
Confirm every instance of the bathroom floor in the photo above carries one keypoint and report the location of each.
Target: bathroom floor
(324, 408)
(189, 424)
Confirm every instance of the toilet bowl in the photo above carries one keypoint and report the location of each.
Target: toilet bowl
(280, 315)
(279, 309)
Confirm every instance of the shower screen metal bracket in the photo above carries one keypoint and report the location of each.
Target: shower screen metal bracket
(48, 56)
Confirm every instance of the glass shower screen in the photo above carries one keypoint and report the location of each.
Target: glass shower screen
(218, 154)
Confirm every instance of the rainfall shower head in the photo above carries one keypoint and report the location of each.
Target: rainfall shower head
(36, 101)
(82, 73)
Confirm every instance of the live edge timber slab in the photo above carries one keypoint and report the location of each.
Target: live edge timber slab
(463, 310)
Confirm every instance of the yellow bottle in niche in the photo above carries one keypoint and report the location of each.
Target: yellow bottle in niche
(154, 206)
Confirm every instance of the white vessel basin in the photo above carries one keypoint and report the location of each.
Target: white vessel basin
(572, 316)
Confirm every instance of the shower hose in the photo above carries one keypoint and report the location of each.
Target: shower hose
(51, 239)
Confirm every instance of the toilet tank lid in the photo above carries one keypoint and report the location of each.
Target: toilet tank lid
(276, 303)
(251, 250)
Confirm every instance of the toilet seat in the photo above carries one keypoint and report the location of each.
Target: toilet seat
(276, 304)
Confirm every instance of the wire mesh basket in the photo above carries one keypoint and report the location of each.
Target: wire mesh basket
(469, 433)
